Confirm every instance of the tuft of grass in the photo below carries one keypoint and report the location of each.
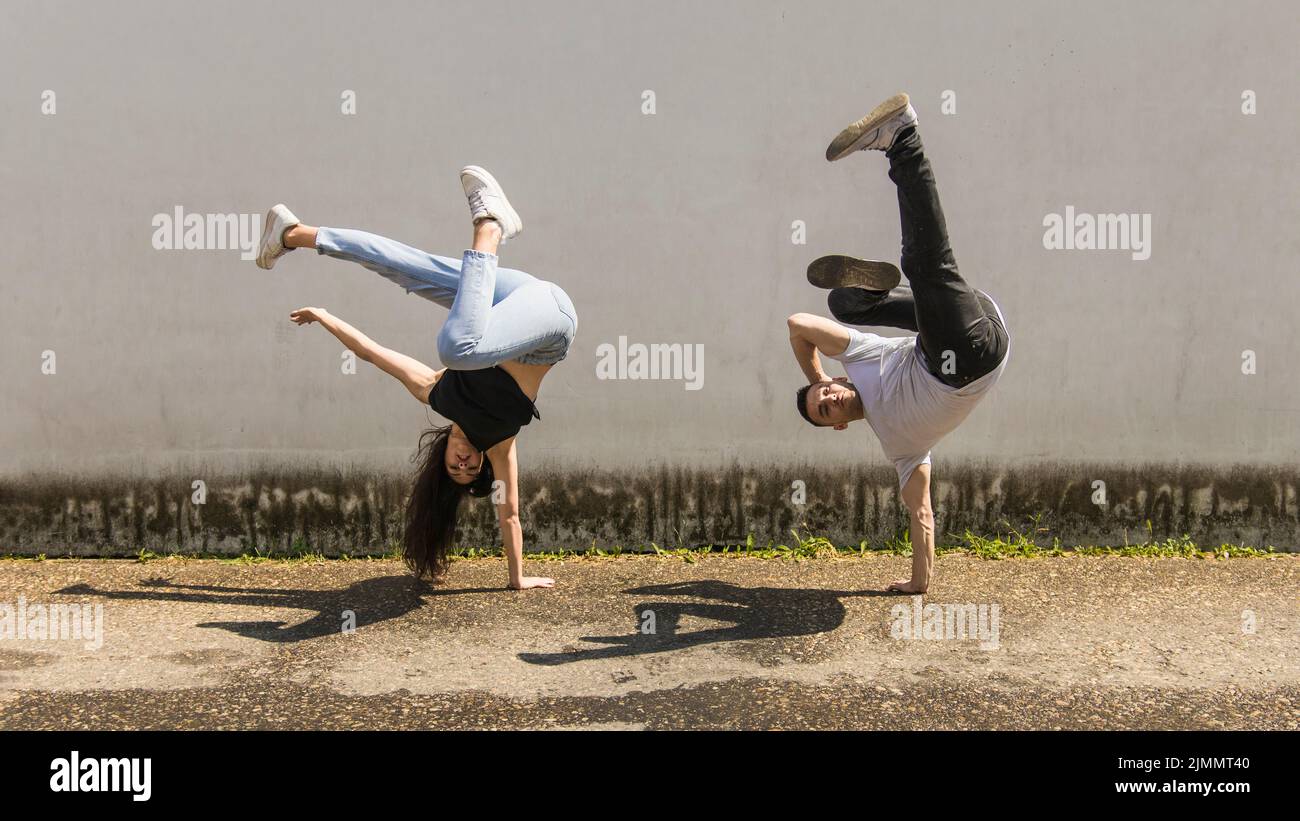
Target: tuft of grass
(809, 546)
(1016, 545)
(900, 544)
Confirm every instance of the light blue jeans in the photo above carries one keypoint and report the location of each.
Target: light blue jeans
(496, 314)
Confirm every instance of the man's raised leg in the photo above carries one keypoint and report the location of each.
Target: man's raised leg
(950, 318)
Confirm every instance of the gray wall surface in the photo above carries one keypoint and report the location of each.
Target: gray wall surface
(668, 227)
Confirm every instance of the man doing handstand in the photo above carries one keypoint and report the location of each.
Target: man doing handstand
(911, 390)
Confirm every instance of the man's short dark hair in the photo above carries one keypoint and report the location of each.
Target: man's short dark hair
(802, 399)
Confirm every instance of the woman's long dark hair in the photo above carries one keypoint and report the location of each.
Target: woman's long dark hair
(431, 509)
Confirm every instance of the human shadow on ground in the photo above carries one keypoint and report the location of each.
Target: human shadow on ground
(753, 613)
(370, 600)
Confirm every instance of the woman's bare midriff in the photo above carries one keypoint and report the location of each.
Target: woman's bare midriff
(528, 377)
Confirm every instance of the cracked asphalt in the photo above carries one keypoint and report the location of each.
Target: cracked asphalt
(722, 642)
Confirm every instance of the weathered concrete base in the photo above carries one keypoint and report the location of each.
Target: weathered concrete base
(360, 512)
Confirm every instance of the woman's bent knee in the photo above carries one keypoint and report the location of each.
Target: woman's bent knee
(455, 350)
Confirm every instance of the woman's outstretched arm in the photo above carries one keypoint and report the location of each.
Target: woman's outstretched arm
(505, 469)
(418, 377)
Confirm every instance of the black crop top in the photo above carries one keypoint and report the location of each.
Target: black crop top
(487, 404)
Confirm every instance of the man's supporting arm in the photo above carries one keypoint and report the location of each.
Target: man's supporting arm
(916, 495)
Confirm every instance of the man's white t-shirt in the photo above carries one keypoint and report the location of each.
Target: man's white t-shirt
(908, 407)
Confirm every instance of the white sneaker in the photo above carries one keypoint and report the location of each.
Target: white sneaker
(488, 201)
(278, 220)
(876, 131)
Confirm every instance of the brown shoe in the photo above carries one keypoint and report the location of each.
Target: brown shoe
(848, 272)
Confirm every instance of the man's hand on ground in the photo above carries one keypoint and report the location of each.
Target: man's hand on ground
(906, 586)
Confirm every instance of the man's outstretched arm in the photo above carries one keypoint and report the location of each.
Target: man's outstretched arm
(810, 334)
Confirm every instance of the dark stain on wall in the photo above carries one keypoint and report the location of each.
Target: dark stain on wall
(289, 512)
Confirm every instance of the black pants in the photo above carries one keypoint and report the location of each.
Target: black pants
(957, 326)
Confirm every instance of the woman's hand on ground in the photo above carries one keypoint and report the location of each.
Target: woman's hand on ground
(306, 316)
(906, 586)
(532, 581)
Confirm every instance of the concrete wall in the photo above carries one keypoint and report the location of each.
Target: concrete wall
(668, 227)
